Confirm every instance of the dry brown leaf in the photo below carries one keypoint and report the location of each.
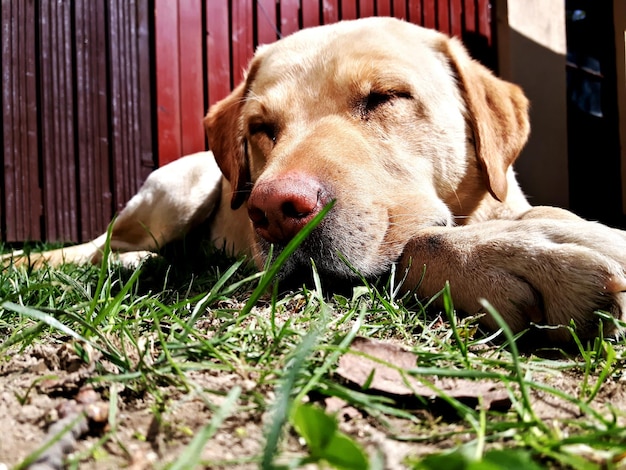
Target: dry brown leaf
(389, 362)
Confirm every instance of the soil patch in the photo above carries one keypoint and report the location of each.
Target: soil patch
(44, 384)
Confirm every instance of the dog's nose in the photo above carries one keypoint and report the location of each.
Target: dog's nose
(280, 207)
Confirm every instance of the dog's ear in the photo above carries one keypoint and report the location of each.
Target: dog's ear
(498, 113)
(224, 128)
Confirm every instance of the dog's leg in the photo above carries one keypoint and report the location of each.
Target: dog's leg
(535, 269)
(172, 200)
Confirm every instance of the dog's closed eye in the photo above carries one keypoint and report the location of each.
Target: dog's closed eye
(263, 129)
(376, 100)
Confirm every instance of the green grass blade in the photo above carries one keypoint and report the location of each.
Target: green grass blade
(282, 405)
(44, 318)
(517, 368)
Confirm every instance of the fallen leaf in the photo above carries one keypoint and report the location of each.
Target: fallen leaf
(385, 371)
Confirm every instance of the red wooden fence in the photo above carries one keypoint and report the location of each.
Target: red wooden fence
(87, 85)
(77, 114)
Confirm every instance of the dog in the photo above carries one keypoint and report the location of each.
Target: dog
(414, 142)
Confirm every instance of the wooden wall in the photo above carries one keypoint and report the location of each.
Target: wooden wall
(77, 114)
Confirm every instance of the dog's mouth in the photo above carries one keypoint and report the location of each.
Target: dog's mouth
(319, 254)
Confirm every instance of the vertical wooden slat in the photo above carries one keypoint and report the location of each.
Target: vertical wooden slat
(349, 9)
(289, 9)
(429, 14)
(3, 64)
(470, 18)
(57, 118)
(383, 7)
(142, 157)
(191, 77)
(415, 11)
(22, 194)
(125, 96)
(443, 16)
(399, 9)
(310, 13)
(484, 19)
(266, 21)
(168, 80)
(330, 11)
(118, 98)
(242, 31)
(218, 55)
(366, 8)
(29, 126)
(456, 17)
(145, 67)
(95, 201)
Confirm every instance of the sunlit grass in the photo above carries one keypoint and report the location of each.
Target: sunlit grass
(159, 324)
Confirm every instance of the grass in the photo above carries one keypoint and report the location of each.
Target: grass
(153, 334)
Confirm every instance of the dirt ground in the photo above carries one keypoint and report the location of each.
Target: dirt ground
(41, 387)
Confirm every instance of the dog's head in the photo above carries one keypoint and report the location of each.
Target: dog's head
(394, 122)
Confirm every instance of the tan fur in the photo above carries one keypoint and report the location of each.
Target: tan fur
(415, 142)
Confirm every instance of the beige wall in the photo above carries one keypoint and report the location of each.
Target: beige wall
(531, 53)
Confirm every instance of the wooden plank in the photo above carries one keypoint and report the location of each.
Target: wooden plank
(10, 95)
(218, 55)
(429, 14)
(484, 19)
(119, 146)
(349, 10)
(415, 11)
(95, 201)
(470, 23)
(267, 31)
(29, 126)
(399, 9)
(57, 122)
(242, 37)
(22, 195)
(7, 189)
(191, 77)
(145, 68)
(456, 18)
(443, 16)
(366, 8)
(168, 65)
(5, 5)
(310, 13)
(142, 157)
(118, 101)
(125, 96)
(330, 11)
(289, 15)
(383, 7)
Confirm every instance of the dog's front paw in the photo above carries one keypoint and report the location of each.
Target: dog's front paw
(539, 270)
